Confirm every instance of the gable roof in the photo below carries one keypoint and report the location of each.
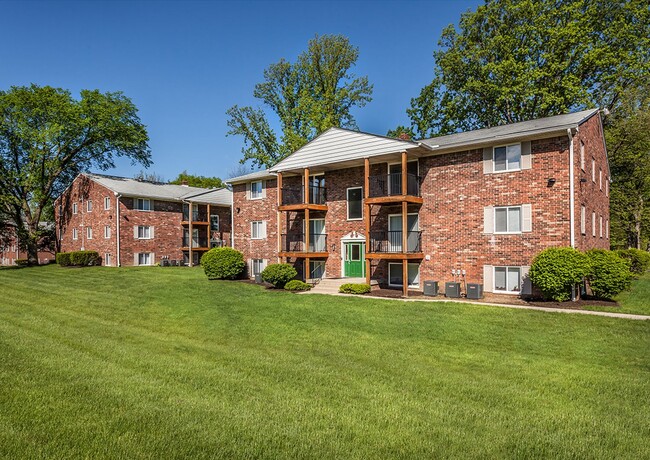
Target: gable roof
(161, 191)
(338, 145)
(264, 174)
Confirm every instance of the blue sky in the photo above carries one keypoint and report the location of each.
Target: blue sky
(185, 63)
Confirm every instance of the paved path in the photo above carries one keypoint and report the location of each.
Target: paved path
(521, 307)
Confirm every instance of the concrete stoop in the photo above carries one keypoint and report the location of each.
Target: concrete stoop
(332, 285)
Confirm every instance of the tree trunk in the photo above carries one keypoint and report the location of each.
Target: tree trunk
(31, 244)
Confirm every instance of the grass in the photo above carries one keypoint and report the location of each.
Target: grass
(636, 300)
(159, 362)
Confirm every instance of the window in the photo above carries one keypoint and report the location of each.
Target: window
(601, 226)
(257, 190)
(89, 233)
(600, 178)
(74, 208)
(107, 231)
(316, 269)
(507, 158)
(257, 266)
(144, 232)
(395, 275)
(107, 202)
(89, 206)
(107, 259)
(593, 170)
(142, 204)
(507, 279)
(214, 222)
(583, 220)
(258, 230)
(593, 223)
(507, 219)
(75, 234)
(355, 206)
(582, 155)
(145, 258)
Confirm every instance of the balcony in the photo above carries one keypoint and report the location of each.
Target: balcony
(196, 242)
(293, 198)
(197, 216)
(388, 188)
(293, 245)
(391, 243)
(218, 243)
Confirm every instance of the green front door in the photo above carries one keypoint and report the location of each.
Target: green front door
(354, 258)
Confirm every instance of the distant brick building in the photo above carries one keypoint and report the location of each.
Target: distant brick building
(475, 206)
(10, 250)
(133, 222)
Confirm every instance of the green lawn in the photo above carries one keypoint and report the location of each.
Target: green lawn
(161, 363)
(636, 300)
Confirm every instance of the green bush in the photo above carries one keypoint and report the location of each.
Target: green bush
(609, 273)
(279, 274)
(556, 270)
(22, 262)
(297, 285)
(639, 260)
(78, 258)
(353, 288)
(223, 263)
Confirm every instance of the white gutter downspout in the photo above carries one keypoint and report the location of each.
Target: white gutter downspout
(118, 260)
(232, 224)
(571, 190)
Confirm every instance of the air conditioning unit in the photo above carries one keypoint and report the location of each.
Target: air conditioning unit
(431, 288)
(452, 289)
(474, 291)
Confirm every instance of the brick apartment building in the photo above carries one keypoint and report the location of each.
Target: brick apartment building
(133, 222)
(476, 206)
(10, 250)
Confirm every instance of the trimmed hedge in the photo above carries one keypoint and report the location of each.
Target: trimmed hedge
(297, 285)
(354, 288)
(279, 274)
(78, 259)
(556, 270)
(609, 273)
(22, 262)
(639, 260)
(223, 263)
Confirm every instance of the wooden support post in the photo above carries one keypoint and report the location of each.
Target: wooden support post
(306, 187)
(191, 235)
(405, 233)
(307, 235)
(279, 217)
(404, 175)
(366, 214)
(405, 277)
(307, 271)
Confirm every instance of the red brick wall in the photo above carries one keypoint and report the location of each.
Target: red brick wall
(10, 251)
(589, 193)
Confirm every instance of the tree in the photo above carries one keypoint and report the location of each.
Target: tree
(515, 60)
(47, 137)
(198, 181)
(628, 147)
(149, 176)
(309, 96)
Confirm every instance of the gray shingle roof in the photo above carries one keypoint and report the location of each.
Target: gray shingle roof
(161, 191)
(264, 174)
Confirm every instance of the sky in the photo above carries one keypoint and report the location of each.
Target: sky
(184, 63)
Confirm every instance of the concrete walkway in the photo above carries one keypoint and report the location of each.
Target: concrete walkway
(489, 304)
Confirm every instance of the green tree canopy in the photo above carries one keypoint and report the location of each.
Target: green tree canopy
(308, 97)
(198, 181)
(47, 137)
(515, 60)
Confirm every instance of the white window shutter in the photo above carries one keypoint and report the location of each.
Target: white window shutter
(527, 218)
(488, 274)
(248, 190)
(135, 258)
(135, 232)
(487, 160)
(526, 284)
(151, 232)
(153, 258)
(263, 189)
(263, 229)
(488, 219)
(526, 157)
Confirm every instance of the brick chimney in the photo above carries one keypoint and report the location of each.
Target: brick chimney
(184, 183)
(404, 136)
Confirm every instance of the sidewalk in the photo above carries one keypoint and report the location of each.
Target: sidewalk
(489, 304)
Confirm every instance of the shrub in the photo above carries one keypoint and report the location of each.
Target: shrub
(279, 274)
(84, 258)
(223, 263)
(556, 270)
(22, 262)
(297, 285)
(353, 288)
(609, 273)
(639, 260)
(63, 259)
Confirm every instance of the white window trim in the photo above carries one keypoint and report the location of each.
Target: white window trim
(135, 204)
(89, 233)
(262, 265)
(151, 259)
(89, 206)
(593, 170)
(75, 209)
(494, 280)
(261, 229)
(521, 220)
(150, 237)
(251, 197)
(601, 226)
(347, 203)
(107, 231)
(582, 155)
(107, 203)
(583, 220)
(75, 234)
(401, 268)
(593, 224)
(494, 171)
(107, 259)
